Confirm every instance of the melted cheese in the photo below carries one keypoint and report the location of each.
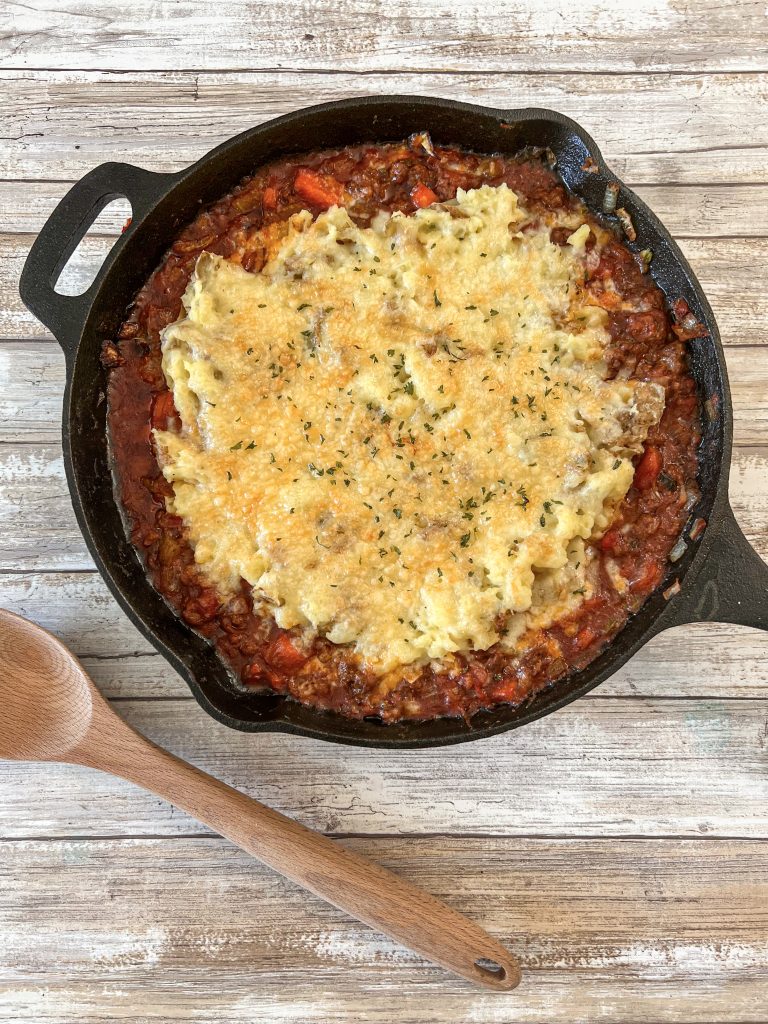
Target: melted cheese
(401, 435)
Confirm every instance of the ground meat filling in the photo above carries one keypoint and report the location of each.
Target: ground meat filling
(645, 345)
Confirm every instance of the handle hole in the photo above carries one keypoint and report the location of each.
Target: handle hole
(492, 967)
(78, 273)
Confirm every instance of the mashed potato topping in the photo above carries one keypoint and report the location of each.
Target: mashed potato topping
(402, 435)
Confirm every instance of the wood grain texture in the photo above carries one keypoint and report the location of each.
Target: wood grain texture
(651, 128)
(384, 996)
(195, 930)
(600, 767)
(377, 35)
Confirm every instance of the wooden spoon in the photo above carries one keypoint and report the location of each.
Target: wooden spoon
(52, 711)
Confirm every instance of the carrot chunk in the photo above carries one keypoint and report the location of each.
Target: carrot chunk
(422, 195)
(282, 654)
(648, 468)
(650, 576)
(318, 189)
(585, 637)
(269, 198)
(163, 411)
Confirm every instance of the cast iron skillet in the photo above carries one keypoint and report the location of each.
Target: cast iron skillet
(721, 577)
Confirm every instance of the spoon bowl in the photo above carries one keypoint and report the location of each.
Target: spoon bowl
(47, 697)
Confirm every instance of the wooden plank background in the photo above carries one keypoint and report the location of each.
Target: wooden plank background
(621, 845)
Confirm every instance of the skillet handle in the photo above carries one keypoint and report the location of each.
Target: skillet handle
(732, 585)
(64, 315)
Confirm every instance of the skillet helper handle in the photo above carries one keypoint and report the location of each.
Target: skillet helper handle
(350, 882)
(64, 315)
(732, 585)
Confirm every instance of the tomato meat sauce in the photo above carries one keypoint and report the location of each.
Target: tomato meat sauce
(647, 342)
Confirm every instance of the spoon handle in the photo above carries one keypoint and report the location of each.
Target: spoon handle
(354, 884)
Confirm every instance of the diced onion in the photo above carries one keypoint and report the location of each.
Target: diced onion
(699, 526)
(691, 502)
(671, 590)
(710, 408)
(611, 197)
(626, 223)
(689, 322)
(678, 550)
(422, 139)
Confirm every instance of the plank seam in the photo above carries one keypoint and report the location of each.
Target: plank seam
(542, 837)
(409, 72)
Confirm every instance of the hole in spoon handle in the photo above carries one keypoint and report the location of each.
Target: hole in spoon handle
(491, 966)
(502, 974)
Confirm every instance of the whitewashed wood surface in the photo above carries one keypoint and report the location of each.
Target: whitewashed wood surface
(619, 846)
